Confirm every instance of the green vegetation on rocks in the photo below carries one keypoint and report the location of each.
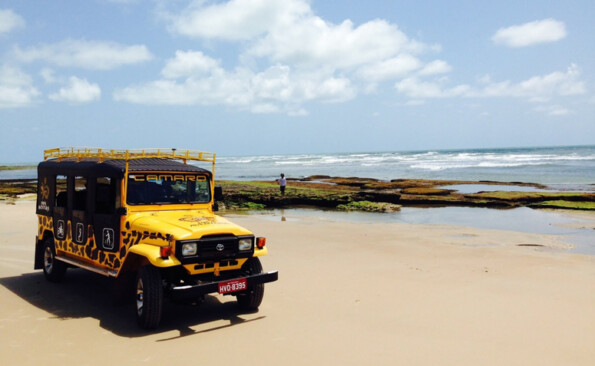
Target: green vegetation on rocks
(15, 167)
(568, 205)
(359, 193)
(532, 196)
(247, 206)
(427, 191)
(16, 188)
(369, 206)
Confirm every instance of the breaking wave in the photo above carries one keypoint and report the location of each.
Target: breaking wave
(539, 165)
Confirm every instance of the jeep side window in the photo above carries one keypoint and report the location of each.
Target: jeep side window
(105, 196)
(61, 191)
(80, 193)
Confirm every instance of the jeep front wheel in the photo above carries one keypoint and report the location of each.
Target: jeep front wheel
(149, 297)
(251, 299)
(53, 269)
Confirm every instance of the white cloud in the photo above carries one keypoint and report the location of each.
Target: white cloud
(189, 63)
(289, 32)
(436, 67)
(486, 79)
(265, 108)
(537, 88)
(16, 88)
(417, 89)
(91, 55)
(10, 21)
(553, 110)
(77, 91)
(236, 19)
(276, 89)
(390, 69)
(299, 112)
(415, 102)
(314, 43)
(289, 56)
(559, 83)
(48, 75)
(539, 31)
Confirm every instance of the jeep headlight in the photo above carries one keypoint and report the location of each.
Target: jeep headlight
(245, 244)
(189, 249)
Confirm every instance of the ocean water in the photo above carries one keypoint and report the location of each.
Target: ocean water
(564, 168)
(558, 167)
(572, 230)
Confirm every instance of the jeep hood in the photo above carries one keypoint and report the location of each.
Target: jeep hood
(184, 224)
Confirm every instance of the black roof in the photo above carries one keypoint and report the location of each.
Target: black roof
(92, 166)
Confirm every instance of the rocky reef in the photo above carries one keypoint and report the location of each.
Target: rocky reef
(381, 196)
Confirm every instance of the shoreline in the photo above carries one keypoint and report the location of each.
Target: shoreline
(348, 293)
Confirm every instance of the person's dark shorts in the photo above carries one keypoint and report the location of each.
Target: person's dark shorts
(282, 189)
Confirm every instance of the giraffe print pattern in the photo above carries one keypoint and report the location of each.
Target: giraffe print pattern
(89, 250)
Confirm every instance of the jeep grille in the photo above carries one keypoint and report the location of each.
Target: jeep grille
(213, 249)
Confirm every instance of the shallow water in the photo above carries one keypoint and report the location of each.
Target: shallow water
(521, 219)
(18, 174)
(475, 188)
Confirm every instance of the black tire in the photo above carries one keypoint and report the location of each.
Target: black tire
(149, 297)
(53, 269)
(251, 299)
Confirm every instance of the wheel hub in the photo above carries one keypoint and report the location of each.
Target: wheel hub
(139, 297)
(48, 260)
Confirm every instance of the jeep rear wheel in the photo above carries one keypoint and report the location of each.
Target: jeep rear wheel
(53, 269)
(149, 297)
(252, 298)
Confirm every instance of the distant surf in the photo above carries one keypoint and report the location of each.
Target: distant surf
(570, 167)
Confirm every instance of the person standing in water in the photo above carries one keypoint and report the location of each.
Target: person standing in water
(282, 183)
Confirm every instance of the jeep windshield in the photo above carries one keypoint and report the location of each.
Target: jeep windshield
(166, 189)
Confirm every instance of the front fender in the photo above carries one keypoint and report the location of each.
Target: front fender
(153, 255)
(261, 252)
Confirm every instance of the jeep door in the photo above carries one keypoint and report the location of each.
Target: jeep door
(106, 220)
(60, 211)
(79, 217)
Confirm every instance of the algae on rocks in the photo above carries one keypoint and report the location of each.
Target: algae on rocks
(378, 196)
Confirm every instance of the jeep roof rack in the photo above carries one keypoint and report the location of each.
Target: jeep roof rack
(80, 153)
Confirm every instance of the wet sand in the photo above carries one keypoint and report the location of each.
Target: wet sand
(348, 294)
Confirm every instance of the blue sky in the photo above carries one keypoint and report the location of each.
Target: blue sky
(250, 77)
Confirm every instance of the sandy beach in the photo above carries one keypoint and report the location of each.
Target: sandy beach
(348, 294)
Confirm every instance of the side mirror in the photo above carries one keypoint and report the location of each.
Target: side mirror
(218, 193)
(122, 211)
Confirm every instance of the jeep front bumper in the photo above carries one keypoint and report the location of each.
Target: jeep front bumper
(195, 291)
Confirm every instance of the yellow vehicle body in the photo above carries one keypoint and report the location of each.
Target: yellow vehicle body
(117, 212)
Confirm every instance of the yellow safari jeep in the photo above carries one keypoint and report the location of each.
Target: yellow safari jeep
(149, 215)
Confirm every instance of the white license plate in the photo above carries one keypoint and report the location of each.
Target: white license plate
(232, 286)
